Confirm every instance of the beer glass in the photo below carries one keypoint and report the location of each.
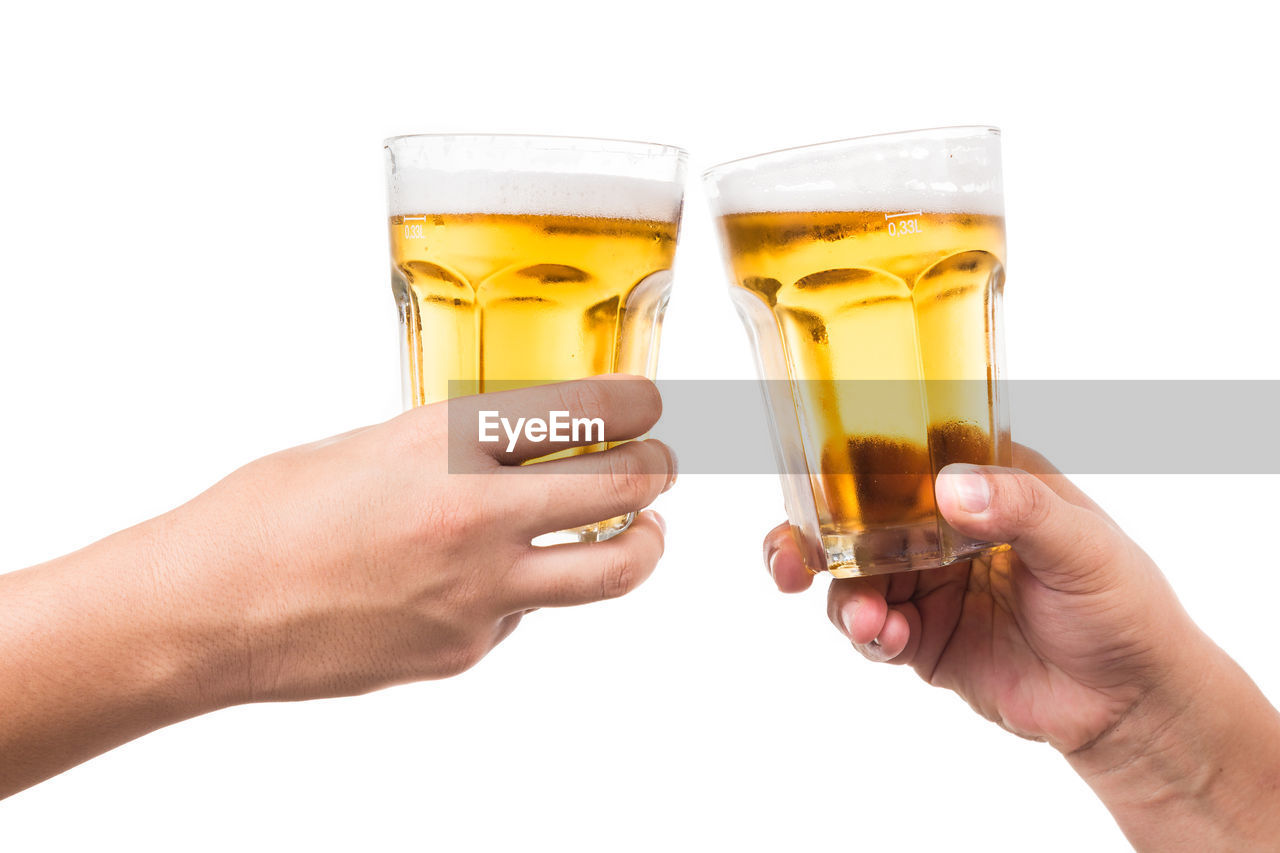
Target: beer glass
(869, 273)
(520, 260)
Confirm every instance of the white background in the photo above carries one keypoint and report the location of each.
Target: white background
(193, 260)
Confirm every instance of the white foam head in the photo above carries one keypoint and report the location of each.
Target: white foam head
(946, 170)
(535, 175)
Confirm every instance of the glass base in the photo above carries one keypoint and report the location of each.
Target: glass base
(600, 531)
(902, 548)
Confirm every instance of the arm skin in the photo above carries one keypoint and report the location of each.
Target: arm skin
(97, 648)
(369, 559)
(1196, 764)
(1075, 638)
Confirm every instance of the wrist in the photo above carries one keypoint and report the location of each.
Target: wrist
(1195, 762)
(200, 649)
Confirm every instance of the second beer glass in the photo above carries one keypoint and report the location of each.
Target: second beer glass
(869, 275)
(521, 260)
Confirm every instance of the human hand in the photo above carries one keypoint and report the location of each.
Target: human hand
(1074, 637)
(393, 553)
(370, 558)
(1055, 640)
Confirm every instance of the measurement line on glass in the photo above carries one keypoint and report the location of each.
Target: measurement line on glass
(899, 223)
(413, 232)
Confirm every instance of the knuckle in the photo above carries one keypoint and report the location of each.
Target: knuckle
(584, 398)
(662, 460)
(629, 484)
(618, 577)
(1030, 505)
(648, 398)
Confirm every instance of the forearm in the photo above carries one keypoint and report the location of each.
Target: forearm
(100, 647)
(1196, 766)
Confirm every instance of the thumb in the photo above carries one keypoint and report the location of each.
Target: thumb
(1067, 547)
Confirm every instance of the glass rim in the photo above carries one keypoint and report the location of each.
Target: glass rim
(959, 131)
(550, 142)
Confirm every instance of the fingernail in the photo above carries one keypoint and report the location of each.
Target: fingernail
(847, 614)
(770, 553)
(675, 469)
(874, 651)
(660, 521)
(969, 486)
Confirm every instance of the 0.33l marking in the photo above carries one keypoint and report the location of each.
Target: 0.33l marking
(414, 227)
(899, 223)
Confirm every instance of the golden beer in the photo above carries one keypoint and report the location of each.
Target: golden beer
(869, 305)
(869, 273)
(526, 260)
(512, 298)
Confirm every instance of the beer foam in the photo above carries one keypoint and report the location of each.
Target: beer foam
(948, 170)
(561, 176)
(412, 192)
